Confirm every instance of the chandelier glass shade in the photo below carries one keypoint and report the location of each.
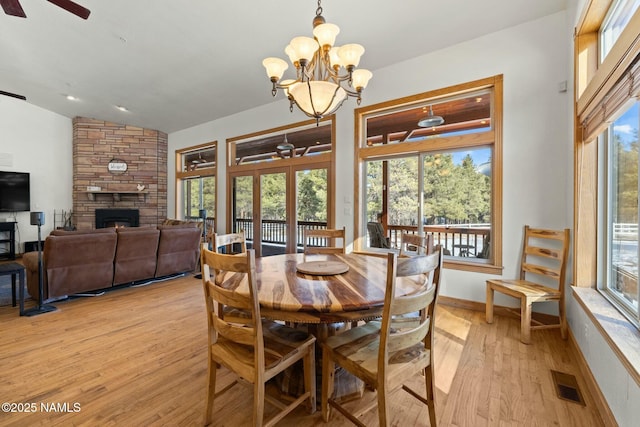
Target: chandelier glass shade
(326, 74)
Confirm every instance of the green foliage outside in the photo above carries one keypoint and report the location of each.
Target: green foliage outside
(625, 175)
(453, 193)
(312, 196)
(243, 197)
(200, 193)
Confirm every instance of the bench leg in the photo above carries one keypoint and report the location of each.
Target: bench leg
(525, 320)
(489, 304)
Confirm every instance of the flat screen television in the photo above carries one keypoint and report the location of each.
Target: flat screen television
(15, 195)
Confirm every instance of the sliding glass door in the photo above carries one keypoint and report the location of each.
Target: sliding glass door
(266, 202)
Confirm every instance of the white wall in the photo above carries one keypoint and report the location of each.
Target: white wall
(618, 387)
(37, 141)
(537, 147)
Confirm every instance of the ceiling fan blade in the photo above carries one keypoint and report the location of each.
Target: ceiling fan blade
(12, 7)
(72, 7)
(13, 95)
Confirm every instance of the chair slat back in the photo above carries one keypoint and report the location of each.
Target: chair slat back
(228, 273)
(545, 253)
(233, 333)
(407, 338)
(227, 241)
(322, 241)
(412, 303)
(414, 244)
(410, 315)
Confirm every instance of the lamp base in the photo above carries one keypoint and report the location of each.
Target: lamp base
(39, 309)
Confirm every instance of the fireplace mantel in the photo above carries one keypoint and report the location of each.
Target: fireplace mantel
(91, 195)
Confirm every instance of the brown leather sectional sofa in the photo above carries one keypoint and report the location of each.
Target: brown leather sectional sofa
(82, 261)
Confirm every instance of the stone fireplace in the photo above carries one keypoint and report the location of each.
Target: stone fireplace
(118, 167)
(117, 218)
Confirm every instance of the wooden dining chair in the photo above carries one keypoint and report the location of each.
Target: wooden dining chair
(322, 241)
(385, 354)
(544, 255)
(257, 350)
(229, 242)
(414, 244)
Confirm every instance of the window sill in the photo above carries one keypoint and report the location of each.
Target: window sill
(621, 335)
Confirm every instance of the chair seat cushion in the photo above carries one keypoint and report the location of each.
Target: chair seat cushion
(519, 288)
(280, 343)
(357, 351)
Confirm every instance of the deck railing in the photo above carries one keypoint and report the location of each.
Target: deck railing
(275, 231)
(466, 240)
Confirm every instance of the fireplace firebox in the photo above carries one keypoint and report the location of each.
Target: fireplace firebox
(117, 218)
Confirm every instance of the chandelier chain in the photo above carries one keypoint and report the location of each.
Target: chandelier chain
(319, 9)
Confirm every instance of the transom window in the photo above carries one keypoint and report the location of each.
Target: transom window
(431, 164)
(615, 22)
(281, 144)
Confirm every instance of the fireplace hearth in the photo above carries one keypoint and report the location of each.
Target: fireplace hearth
(106, 218)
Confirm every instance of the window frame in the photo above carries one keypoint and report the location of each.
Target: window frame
(492, 137)
(604, 219)
(182, 175)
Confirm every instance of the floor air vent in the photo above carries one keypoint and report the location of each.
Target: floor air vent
(567, 387)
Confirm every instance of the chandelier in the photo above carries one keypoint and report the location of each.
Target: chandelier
(325, 74)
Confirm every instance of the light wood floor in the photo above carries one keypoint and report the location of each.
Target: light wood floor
(137, 357)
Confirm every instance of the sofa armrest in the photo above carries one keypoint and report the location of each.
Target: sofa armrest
(79, 263)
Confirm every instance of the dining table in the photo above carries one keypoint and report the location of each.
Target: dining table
(326, 292)
(322, 289)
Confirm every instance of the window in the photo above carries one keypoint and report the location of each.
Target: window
(616, 20)
(442, 179)
(196, 182)
(619, 211)
(280, 182)
(606, 155)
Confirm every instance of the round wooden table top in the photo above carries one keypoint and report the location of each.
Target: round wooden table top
(287, 294)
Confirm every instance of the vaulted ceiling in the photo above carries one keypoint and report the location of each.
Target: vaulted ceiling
(176, 64)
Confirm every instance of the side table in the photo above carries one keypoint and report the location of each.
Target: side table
(13, 268)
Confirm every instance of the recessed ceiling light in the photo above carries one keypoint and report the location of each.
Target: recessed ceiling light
(71, 98)
(121, 108)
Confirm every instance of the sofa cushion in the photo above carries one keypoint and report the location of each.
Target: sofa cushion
(135, 254)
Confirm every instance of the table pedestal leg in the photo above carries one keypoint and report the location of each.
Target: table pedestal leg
(346, 385)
